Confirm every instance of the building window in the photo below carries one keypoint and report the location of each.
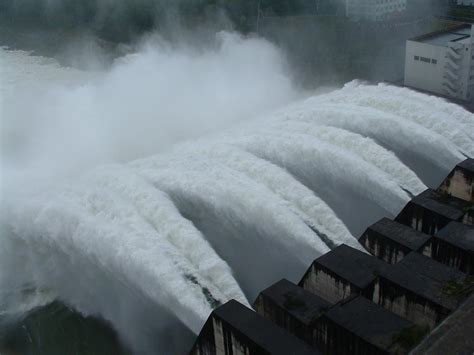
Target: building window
(426, 60)
(417, 57)
(434, 61)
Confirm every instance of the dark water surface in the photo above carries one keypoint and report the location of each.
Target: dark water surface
(57, 330)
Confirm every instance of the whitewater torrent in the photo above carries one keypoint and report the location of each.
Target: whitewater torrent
(154, 245)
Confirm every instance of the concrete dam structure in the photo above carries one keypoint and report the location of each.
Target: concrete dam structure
(413, 291)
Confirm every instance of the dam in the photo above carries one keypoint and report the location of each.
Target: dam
(385, 302)
(153, 246)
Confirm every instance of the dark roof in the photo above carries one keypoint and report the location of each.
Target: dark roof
(451, 207)
(440, 33)
(400, 233)
(458, 234)
(367, 320)
(404, 275)
(467, 164)
(301, 304)
(353, 265)
(261, 331)
(432, 268)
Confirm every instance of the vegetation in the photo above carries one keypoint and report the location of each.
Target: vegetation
(411, 336)
(468, 208)
(461, 12)
(454, 288)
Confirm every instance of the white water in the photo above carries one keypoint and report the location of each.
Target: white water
(153, 244)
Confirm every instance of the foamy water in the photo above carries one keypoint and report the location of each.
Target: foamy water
(154, 244)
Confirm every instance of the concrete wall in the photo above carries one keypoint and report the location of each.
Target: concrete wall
(453, 336)
(322, 333)
(421, 219)
(406, 304)
(383, 248)
(226, 340)
(466, 72)
(218, 338)
(459, 183)
(449, 255)
(337, 340)
(205, 344)
(419, 73)
(283, 319)
(327, 285)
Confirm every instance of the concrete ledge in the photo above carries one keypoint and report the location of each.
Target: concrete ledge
(453, 336)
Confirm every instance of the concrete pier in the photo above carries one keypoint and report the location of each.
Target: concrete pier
(453, 246)
(430, 211)
(392, 241)
(233, 329)
(417, 277)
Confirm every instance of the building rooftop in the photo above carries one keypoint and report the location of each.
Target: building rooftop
(367, 320)
(406, 276)
(467, 164)
(262, 332)
(432, 268)
(352, 265)
(400, 233)
(460, 33)
(458, 234)
(303, 305)
(448, 206)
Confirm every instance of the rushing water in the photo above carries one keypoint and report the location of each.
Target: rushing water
(153, 245)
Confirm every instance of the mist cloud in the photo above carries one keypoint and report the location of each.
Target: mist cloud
(58, 121)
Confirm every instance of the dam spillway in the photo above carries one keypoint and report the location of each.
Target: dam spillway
(175, 235)
(412, 288)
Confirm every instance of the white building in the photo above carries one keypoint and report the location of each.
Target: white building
(374, 10)
(442, 62)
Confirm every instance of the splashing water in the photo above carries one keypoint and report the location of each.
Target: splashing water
(154, 245)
